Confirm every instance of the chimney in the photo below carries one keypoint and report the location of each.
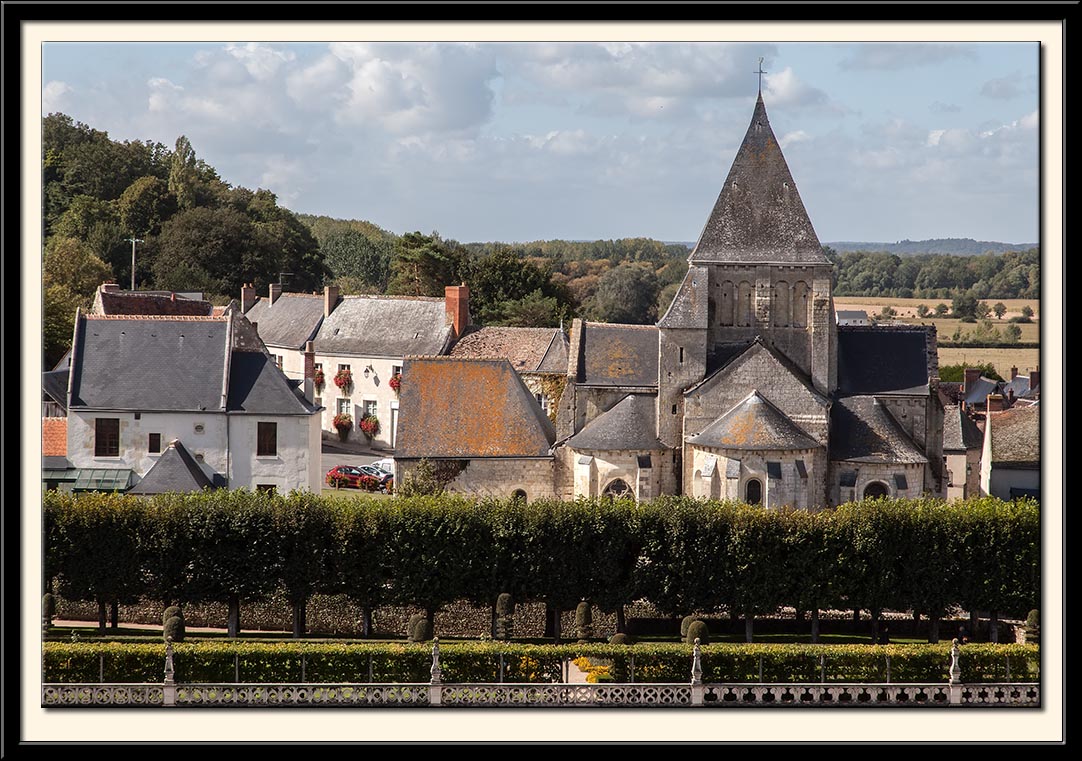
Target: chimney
(330, 299)
(173, 297)
(973, 374)
(458, 307)
(255, 327)
(247, 297)
(995, 403)
(1014, 372)
(275, 292)
(110, 288)
(1034, 379)
(309, 371)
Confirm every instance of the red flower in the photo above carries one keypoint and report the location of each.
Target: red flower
(343, 379)
(395, 382)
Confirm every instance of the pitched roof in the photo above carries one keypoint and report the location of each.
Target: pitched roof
(1019, 385)
(979, 390)
(690, 305)
(1016, 436)
(527, 349)
(54, 384)
(759, 216)
(385, 326)
(950, 392)
(619, 355)
(175, 471)
(257, 385)
(754, 424)
(883, 359)
(152, 302)
(468, 408)
(290, 321)
(959, 431)
(149, 364)
(862, 430)
(54, 436)
(630, 424)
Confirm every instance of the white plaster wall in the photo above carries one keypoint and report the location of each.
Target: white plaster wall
(964, 484)
(375, 387)
(291, 468)
(790, 489)
(135, 438)
(605, 467)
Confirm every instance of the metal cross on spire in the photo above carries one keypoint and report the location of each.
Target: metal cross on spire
(760, 72)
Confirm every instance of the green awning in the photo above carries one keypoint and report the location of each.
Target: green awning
(102, 479)
(58, 474)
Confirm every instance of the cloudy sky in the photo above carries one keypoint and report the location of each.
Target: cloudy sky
(529, 141)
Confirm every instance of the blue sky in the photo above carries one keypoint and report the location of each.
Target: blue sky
(524, 141)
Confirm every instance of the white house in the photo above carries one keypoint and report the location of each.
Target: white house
(205, 387)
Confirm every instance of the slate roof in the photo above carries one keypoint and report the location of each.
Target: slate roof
(54, 384)
(950, 392)
(527, 349)
(468, 408)
(619, 355)
(385, 326)
(959, 431)
(1019, 385)
(290, 321)
(759, 216)
(631, 424)
(979, 390)
(257, 385)
(883, 360)
(1016, 437)
(152, 302)
(754, 424)
(690, 305)
(862, 430)
(175, 471)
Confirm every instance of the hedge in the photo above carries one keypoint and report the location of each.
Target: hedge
(281, 662)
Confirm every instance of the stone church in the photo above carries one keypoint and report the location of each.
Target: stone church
(745, 389)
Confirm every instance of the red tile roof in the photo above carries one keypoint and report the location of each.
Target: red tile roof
(54, 437)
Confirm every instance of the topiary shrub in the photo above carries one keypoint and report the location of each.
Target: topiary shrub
(1033, 628)
(48, 609)
(621, 639)
(584, 620)
(698, 630)
(420, 629)
(685, 622)
(171, 611)
(173, 629)
(505, 616)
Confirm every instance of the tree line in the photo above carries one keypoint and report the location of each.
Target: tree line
(681, 554)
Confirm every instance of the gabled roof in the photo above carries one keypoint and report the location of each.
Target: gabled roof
(152, 302)
(754, 424)
(257, 385)
(290, 321)
(959, 431)
(690, 305)
(727, 358)
(1016, 436)
(175, 471)
(759, 216)
(468, 408)
(527, 349)
(619, 355)
(385, 326)
(862, 430)
(630, 424)
(1019, 385)
(979, 390)
(54, 384)
(883, 359)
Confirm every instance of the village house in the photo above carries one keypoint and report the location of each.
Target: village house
(1011, 455)
(746, 388)
(962, 445)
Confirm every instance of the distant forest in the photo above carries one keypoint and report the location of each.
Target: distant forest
(955, 246)
(196, 232)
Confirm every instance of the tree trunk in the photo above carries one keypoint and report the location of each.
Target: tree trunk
(300, 618)
(114, 615)
(815, 625)
(233, 617)
(933, 627)
(993, 627)
(799, 613)
(875, 626)
(621, 621)
(366, 622)
(974, 622)
(749, 626)
(101, 616)
(856, 621)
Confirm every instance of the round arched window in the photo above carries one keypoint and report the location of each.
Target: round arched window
(617, 488)
(875, 490)
(753, 491)
(518, 495)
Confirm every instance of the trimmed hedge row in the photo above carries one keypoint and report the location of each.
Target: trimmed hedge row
(281, 662)
(681, 554)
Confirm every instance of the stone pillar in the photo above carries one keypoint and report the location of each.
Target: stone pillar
(247, 297)
(274, 292)
(697, 690)
(764, 296)
(169, 687)
(330, 299)
(824, 341)
(434, 686)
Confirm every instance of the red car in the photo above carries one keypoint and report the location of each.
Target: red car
(356, 477)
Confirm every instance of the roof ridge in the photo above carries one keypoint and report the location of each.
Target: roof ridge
(158, 317)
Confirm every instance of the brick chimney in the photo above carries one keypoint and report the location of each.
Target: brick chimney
(973, 374)
(247, 297)
(330, 299)
(458, 307)
(274, 292)
(110, 288)
(309, 371)
(1034, 379)
(995, 403)
(1014, 372)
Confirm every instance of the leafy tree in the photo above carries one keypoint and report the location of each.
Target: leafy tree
(964, 305)
(665, 298)
(71, 264)
(941, 310)
(888, 313)
(354, 258)
(422, 266)
(956, 373)
(922, 310)
(183, 174)
(1012, 333)
(1027, 311)
(533, 311)
(1000, 309)
(502, 281)
(626, 294)
(982, 310)
(58, 306)
(144, 204)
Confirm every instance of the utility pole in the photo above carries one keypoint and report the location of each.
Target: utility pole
(133, 240)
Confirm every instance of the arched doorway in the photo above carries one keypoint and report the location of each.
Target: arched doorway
(753, 491)
(617, 488)
(876, 490)
(518, 495)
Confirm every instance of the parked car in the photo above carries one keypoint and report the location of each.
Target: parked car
(386, 465)
(383, 476)
(344, 475)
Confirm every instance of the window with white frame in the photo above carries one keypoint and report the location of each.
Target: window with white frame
(343, 406)
(370, 407)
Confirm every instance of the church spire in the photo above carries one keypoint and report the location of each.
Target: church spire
(759, 217)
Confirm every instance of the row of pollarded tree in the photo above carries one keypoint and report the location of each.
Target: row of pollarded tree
(682, 554)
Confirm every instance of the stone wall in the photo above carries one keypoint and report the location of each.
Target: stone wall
(869, 472)
(496, 476)
(791, 489)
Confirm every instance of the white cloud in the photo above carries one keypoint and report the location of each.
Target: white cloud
(790, 138)
(934, 136)
(53, 96)
(1010, 86)
(261, 61)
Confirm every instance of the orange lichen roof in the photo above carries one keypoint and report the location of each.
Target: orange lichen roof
(467, 408)
(754, 424)
(54, 437)
(620, 355)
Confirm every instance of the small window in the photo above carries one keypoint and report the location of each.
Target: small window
(370, 407)
(674, 409)
(198, 427)
(542, 401)
(107, 437)
(396, 369)
(753, 492)
(681, 355)
(518, 495)
(267, 440)
(278, 360)
(319, 366)
(154, 445)
(343, 367)
(138, 415)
